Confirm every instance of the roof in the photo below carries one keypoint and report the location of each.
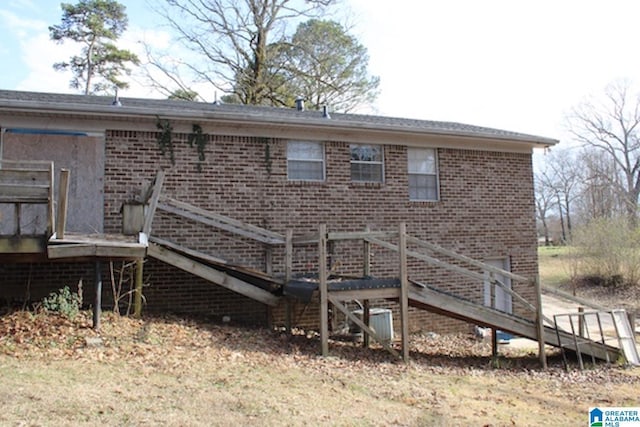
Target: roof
(102, 106)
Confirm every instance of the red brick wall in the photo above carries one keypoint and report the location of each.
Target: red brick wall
(486, 210)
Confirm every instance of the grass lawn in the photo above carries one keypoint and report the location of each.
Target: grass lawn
(555, 265)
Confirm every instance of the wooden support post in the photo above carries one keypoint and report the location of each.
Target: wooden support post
(581, 321)
(324, 291)
(268, 260)
(288, 269)
(540, 322)
(137, 297)
(494, 347)
(17, 231)
(366, 271)
(51, 209)
(63, 192)
(404, 291)
(97, 305)
(153, 203)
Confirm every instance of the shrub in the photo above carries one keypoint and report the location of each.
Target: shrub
(64, 301)
(610, 251)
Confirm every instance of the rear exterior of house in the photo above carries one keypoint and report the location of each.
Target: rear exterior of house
(465, 188)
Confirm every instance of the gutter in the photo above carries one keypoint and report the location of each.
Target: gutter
(128, 112)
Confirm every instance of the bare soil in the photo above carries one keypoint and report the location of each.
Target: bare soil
(171, 371)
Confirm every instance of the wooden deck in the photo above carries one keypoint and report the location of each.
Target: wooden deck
(108, 246)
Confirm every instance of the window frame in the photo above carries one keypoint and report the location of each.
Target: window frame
(435, 174)
(367, 162)
(322, 160)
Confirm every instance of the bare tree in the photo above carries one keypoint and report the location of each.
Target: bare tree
(600, 186)
(560, 180)
(610, 126)
(544, 204)
(230, 39)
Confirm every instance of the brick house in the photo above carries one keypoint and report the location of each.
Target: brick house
(466, 188)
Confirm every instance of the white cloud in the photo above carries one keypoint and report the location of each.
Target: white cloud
(39, 54)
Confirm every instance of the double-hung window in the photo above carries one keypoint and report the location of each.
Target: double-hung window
(423, 174)
(367, 163)
(305, 161)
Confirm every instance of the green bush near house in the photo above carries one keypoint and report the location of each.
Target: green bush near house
(64, 302)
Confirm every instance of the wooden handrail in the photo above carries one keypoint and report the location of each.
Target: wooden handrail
(220, 221)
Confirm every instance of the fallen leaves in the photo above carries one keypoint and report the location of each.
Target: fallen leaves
(173, 344)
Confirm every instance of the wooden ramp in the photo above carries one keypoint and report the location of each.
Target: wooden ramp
(215, 271)
(430, 299)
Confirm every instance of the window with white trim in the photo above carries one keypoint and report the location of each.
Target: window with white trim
(423, 174)
(367, 163)
(305, 161)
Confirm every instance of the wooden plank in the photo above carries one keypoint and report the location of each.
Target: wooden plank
(26, 164)
(263, 235)
(324, 292)
(434, 261)
(463, 258)
(128, 252)
(355, 319)
(360, 235)
(137, 296)
(451, 306)
(542, 355)
(22, 244)
(404, 290)
(451, 267)
(380, 293)
(288, 274)
(212, 275)
(208, 220)
(51, 205)
(153, 203)
(63, 190)
(71, 250)
(24, 176)
(14, 193)
(197, 254)
(366, 272)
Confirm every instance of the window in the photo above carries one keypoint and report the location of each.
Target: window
(367, 163)
(305, 161)
(423, 174)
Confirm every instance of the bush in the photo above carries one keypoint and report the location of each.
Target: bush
(64, 301)
(610, 251)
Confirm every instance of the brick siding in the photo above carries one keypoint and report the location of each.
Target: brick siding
(485, 211)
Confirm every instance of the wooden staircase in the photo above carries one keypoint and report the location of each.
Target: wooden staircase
(262, 286)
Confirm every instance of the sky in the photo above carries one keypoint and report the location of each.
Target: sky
(512, 65)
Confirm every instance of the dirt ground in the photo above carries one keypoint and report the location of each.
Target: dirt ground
(168, 371)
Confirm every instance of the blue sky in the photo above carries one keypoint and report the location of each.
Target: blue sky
(515, 65)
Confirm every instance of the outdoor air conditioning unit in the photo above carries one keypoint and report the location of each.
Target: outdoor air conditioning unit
(381, 321)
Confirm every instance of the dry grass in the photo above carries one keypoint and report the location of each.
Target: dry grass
(555, 265)
(176, 372)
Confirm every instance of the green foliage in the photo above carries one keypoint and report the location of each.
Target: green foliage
(610, 252)
(184, 95)
(197, 138)
(165, 138)
(95, 24)
(326, 66)
(64, 301)
(234, 45)
(268, 161)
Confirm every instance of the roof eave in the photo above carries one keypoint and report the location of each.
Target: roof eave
(128, 112)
